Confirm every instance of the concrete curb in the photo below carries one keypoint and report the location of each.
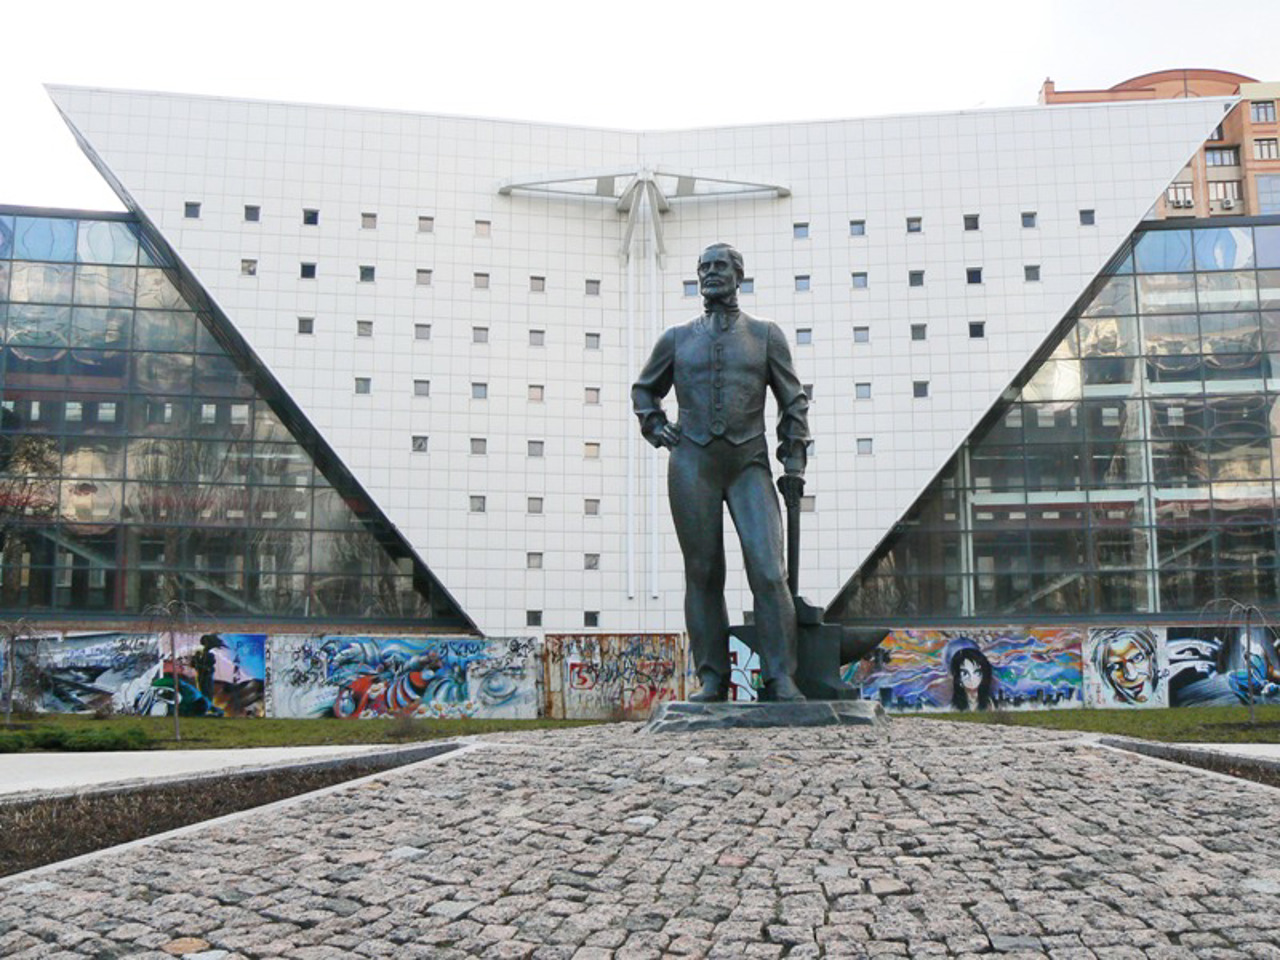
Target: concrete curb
(1208, 761)
(374, 760)
(439, 753)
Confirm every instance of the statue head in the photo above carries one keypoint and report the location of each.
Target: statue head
(720, 271)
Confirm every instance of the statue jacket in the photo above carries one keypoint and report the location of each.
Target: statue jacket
(721, 377)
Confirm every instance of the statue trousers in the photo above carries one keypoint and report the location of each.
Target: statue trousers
(700, 480)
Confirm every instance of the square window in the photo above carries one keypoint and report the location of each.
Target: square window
(310, 218)
(107, 412)
(1262, 111)
(973, 275)
(423, 277)
(591, 561)
(862, 391)
(591, 507)
(1087, 218)
(593, 341)
(239, 414)
(536, 448)
(364, 328)
(191, 210)
(859, 280)
(248, 268)
(864, 446)
(418, 443)
(533, 618)
(920, 389)
(800, 231)
(252, 213)
(537, 284)
(971, 221)
(533, 505)
(802, 282)
(368, 221)
(857, 228)
(591, 450)
(477, 504)
(593, 288)
(977, 329)
(307, 271)
(808, 503)
(748, 285)
(480, 281)
(422, 388)
(804, 335)
(591, 395)
(919, 331)
(426, 224)
(591, 618)
(479, 334)
(479, 446)
(1028, 219)
(479, 391)
(915, 224)
(73, 411)
(1031, 272)
(536, 392)
(915, 278)
(364, 385)
(861, 334)
(691, 288)
(483, 228)
(1267, 148)
(367, 273)
(537, 338)
(1176, 416)
(533, 561)
(422, 331)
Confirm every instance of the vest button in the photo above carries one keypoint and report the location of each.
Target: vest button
(717, 427)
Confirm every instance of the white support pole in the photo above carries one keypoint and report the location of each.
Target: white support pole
(632, 460)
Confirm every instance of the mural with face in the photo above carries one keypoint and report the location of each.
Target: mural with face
(1126, 667)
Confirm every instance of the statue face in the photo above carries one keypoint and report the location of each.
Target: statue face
(716, 276)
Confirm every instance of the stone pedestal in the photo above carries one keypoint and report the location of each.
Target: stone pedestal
(684, 717)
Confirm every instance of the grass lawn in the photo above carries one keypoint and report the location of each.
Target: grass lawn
(1173, 725)
(209, 733)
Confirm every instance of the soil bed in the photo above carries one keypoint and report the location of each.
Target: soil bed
(46, 829)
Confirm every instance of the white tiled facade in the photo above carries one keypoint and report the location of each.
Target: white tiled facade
(165, 151)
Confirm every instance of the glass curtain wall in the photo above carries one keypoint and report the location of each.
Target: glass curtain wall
(1133, 471)
(138, 464)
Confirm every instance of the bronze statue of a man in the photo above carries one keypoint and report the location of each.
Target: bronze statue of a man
(721, 364)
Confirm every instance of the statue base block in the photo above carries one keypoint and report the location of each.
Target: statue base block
(684, 717)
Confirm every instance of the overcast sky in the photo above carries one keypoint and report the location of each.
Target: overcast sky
(651, 65)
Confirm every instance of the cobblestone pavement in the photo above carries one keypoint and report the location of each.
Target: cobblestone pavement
(930, 839)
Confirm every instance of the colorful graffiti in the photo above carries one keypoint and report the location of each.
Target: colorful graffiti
(369, 676)
(1125, 667)
(1217, 665)
(613, 676)
(83, 672)
(1000, 668)
(744, 671)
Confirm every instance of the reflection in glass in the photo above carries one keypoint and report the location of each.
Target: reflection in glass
(105, 286)
(1227, 291)
(1115, 297)
(106, 241)
(1224, 248)
(162, 372)
(44, 238)
(156, 292)
(92, 457)
(101, 329)
(6, 237)
(38, 335)
(41, 283)
(164, 330)
(1267, 245)
(90, 501)
(1163, 251)
(1108, 337)
(1167, 293)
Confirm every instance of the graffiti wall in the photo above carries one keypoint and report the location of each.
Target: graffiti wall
(744, 672)
(374, 676)
(1000, 668)
(82, 672)
(1217, 665)
(1125, 667)
(612, 676)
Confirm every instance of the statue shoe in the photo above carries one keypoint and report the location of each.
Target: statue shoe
(710, 693)
(783, 690)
